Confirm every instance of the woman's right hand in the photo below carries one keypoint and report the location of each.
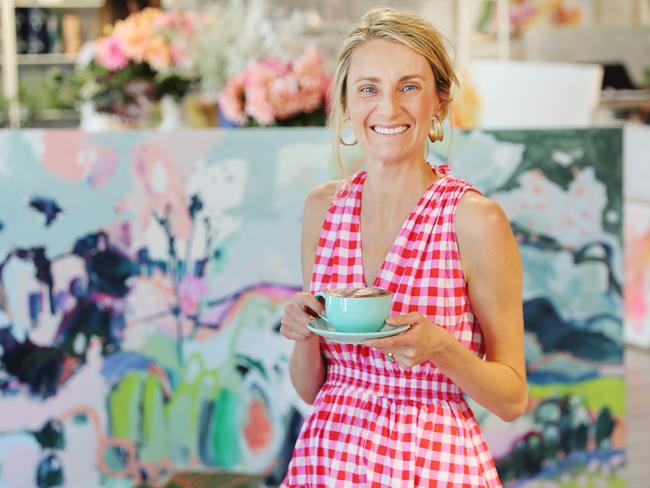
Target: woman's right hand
(301, 309)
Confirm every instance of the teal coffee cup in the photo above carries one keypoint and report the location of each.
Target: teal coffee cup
(360, 310)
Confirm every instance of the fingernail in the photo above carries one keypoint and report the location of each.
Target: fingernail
(390, 321)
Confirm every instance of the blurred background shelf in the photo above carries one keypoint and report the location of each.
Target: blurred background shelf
(59, 3)
(44, 59)
(45, 118)
(28, 59)
(624, 99)
(568, 31)
(54, 114)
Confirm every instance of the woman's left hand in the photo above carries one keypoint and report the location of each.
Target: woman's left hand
(414, 346)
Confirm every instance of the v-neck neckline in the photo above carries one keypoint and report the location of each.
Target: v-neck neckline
(393, 247)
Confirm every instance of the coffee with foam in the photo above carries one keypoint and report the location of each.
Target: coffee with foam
(357, 292)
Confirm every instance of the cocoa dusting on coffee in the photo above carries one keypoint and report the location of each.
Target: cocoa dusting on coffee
(357, 292)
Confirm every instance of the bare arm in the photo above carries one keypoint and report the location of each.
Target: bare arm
(307, 367)
(492, 264)
(492, 267)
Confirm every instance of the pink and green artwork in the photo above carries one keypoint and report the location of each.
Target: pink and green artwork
(637, 274)
(562, 191)
(143, 276)
(637, 236)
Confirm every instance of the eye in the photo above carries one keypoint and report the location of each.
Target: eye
(367, 89)
(409, 88)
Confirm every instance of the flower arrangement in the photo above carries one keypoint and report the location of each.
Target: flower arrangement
(276, 92)
(146, 56)
(237, 33)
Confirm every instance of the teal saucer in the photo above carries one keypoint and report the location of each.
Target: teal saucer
(320, 327)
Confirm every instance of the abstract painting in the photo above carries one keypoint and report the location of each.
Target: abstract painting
(143, 276)
(562, 191)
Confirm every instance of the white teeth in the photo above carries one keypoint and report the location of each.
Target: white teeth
(390, 130)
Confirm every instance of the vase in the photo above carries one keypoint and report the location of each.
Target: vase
(223, 121)
(93, 121)
(171, 113)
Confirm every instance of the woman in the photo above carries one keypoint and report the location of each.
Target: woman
(391, 412)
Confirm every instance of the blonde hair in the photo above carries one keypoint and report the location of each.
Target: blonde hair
(397, 26)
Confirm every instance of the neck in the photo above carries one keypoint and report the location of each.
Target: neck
(392, 189)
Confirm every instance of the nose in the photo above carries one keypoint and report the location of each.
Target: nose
(389, 104)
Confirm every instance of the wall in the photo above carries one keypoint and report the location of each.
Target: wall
(637, 236)
(627, 45)
(143, 274)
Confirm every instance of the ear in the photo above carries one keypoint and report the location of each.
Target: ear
(438, 110)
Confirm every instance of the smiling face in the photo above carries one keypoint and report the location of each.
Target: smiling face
(390, 99)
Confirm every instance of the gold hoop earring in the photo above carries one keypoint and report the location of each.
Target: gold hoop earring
(436, 133)
(343, 143)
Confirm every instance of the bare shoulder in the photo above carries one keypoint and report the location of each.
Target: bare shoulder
(477, 216)
(320, 197)
(316, 204)
(484, 235)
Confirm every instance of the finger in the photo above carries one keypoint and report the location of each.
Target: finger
(385, 344)
(299, 313)
(396, 359)
(291, 326)
(295, 334)
(312, 304)
(298, 318)
(409, 318)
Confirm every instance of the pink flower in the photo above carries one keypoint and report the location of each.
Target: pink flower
(274, 90)
(158, 54)
(284, 96)
(190, 21)
(110, 53)
(134, 39)
(232, 108)
(310, 100)
(170, 19)
(177, 54)
(308, 64)
(326, 88)
(191, 292)
(257, 104)
(177, 29)
(231, 100)
(260, 74)
(276, 66)
(257, 81)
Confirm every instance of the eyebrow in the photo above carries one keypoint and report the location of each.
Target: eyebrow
(376, 80)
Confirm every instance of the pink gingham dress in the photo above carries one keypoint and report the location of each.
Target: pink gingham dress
(375, 424)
